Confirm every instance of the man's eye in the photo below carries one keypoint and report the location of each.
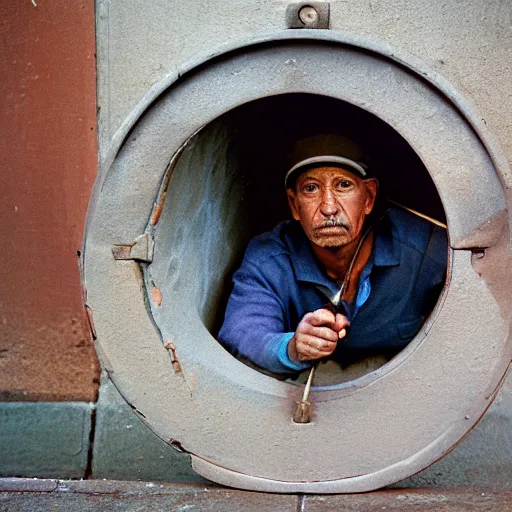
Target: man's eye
(344, 184)
(310, 187)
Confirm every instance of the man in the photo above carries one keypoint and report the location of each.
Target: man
(391, 263)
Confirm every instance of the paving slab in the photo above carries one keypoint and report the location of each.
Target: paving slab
(27, 485)
(419, 500)
(97, 495)
(33, 495)
(44, 439)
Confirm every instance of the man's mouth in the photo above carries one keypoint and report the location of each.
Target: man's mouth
(330, 229)
(335, 225)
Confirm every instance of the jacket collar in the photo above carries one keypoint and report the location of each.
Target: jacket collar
(386, 249)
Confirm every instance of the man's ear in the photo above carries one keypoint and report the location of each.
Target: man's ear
(292, 203)
(372, 187)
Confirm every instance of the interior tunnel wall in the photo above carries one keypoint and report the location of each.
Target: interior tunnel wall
(202, 229)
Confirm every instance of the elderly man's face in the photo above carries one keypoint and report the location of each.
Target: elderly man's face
(331, 204)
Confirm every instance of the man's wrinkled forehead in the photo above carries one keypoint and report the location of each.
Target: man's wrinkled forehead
(327, 173)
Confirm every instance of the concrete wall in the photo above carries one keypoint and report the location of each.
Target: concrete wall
(468, 42)
(49, 148)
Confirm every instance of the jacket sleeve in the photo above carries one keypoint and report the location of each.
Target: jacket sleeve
(254, 324)
(433, 270)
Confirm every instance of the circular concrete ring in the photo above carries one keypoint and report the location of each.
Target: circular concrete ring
(235, 422)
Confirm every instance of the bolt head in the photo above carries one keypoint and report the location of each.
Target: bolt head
(309, 16)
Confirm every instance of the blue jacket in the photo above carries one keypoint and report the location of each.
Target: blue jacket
(280, 280)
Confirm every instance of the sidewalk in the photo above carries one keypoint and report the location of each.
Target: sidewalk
(34, 495)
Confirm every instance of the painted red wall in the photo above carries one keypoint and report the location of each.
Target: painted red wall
(49, 161)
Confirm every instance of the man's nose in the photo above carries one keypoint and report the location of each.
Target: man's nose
(329, 205)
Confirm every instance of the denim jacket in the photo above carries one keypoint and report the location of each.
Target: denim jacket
(280, 280)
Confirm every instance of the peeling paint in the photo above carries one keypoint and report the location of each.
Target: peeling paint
(156, 296)
(169, 345)
(158, 209)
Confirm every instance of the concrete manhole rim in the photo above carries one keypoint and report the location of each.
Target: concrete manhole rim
(343, 485)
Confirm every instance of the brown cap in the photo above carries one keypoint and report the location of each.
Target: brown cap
(325, 149)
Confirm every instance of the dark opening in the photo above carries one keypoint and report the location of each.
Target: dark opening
(264, 130)
(228, 186)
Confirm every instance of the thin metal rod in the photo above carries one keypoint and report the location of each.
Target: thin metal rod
(307, 388)
(419, 214)
(303, 411)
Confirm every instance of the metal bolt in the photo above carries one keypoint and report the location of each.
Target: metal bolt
(309, 16)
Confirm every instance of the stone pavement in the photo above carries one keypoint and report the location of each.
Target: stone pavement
(35, 495)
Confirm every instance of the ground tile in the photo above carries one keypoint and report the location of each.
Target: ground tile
(419, 500)
(111, 496)
(27, 484)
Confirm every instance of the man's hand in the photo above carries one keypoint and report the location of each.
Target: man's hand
(317, 335)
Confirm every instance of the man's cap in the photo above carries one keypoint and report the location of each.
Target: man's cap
(325, 149)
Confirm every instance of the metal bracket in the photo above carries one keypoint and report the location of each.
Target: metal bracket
(308, 15)
(140, 250)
